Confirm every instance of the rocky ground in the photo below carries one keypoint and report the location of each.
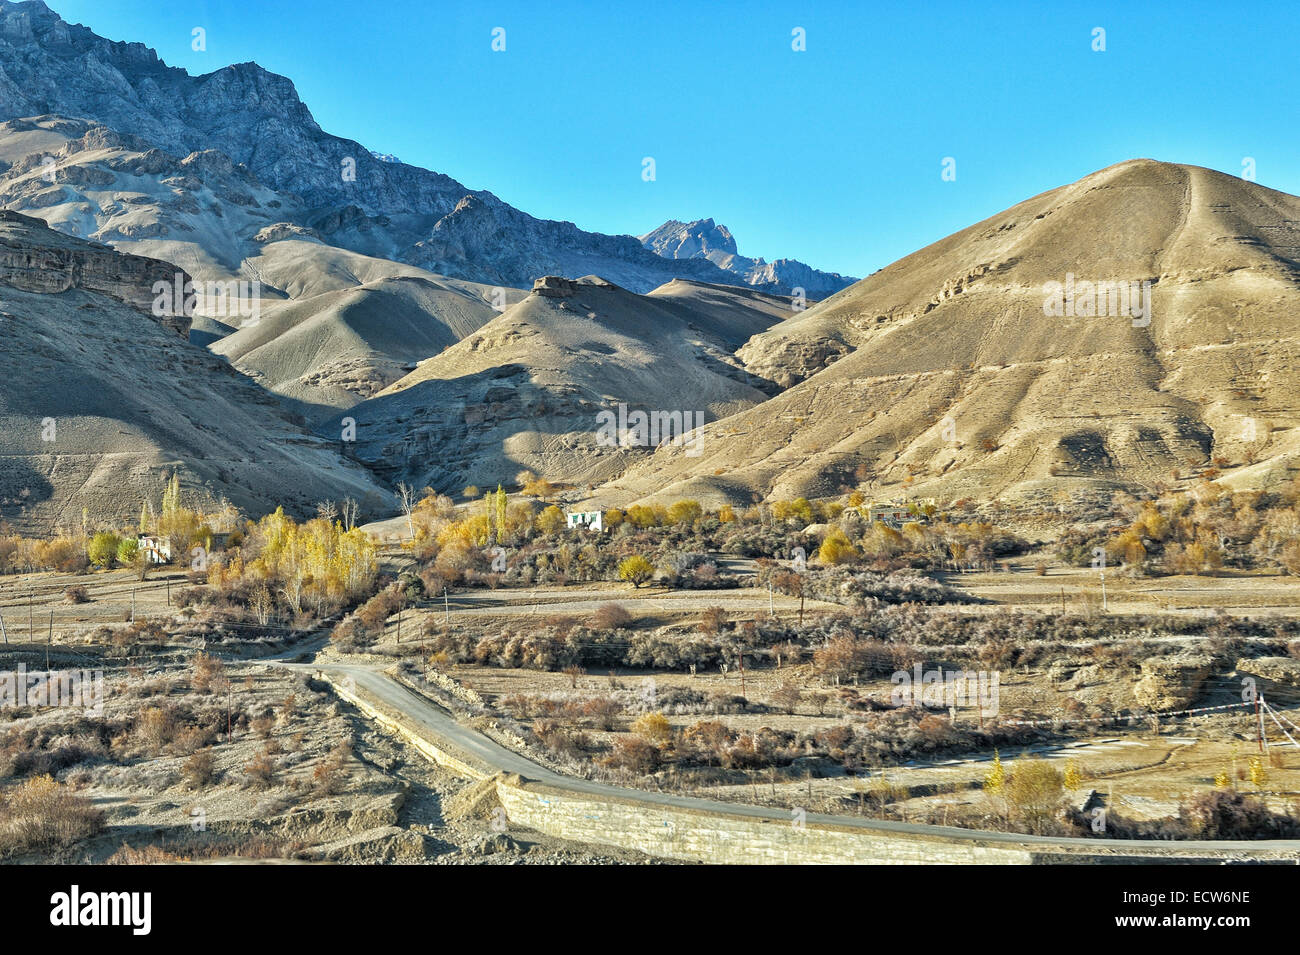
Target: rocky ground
(300, 777)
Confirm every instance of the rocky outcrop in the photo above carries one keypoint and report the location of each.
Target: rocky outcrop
(1277, 678)
(553, 286)
(789, 362)
(689, 240)
(35, 258)
(389, 844)
(705, 239)
(1171, 683)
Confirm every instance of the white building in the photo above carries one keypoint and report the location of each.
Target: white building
(157, 549)
(588, 519)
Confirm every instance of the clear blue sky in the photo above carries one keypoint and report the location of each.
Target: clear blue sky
(832, 155)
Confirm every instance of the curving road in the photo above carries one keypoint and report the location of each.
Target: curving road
(493, 757)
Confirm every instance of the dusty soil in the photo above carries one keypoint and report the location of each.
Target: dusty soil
(387, 804)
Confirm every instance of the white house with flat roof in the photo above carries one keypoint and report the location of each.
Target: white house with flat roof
(588, 519)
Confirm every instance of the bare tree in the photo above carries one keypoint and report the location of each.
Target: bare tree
(327, 511)
(262, 603)
(407, 498)
(349, 509)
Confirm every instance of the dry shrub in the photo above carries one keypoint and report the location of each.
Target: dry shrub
(611, 616)
(787, 696)
(559, 739)
(209, 673)
(199, 769)
(603, 711)
(41, 815)
(653, 728)
(192, 739)
(77, 594)
(1227, 814)
(330, 774)
(145, 855)
(633, 754)
(261, 770)
(713, 620)
(156, 727)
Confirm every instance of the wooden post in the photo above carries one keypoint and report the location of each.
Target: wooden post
(3, 633)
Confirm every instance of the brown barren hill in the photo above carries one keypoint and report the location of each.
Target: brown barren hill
(944, 374)
(525, 391)
(100, 400)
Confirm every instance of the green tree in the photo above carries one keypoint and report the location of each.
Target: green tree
(103, 548)
(1035, 790)
(636, 570)
(130, 555)
(551, 520)
(685, 512)
(995, 780)
(501, 507)
(836, 549)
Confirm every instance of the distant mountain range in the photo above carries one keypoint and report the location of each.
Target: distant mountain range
(346, 194)
(704, 239)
